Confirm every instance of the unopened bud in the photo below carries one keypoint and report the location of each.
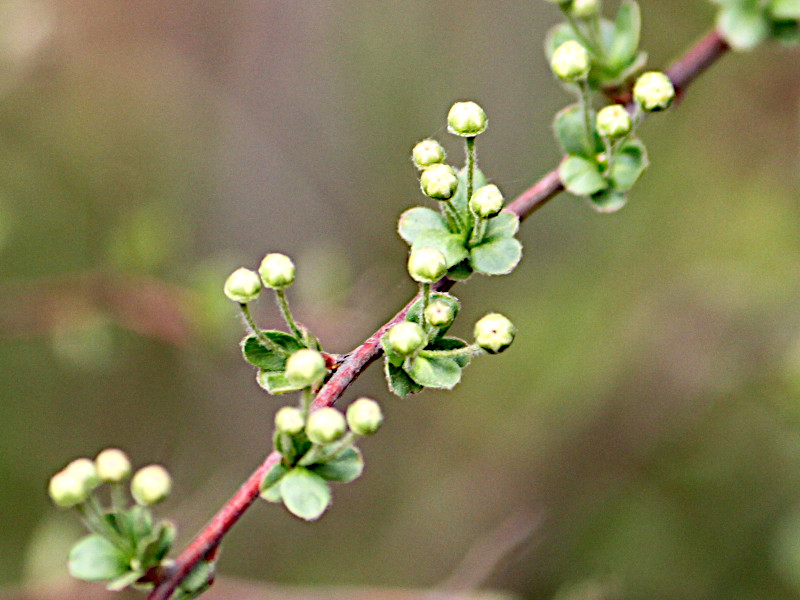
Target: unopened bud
(427, 153)
(242, 286)
(277, 271)
(613, 121)
(84, 471)
(487, 201)
(150, 485)
(426, 265)
(439, 314)
(405, 338)
(306, 368)
(583, 9)
(570, 62)
(325, 425)
(112, 465)
(494, 333)
(364, 416)
(466, 119)
(439, 182)
(653, 91)
(66, 490)
(289, 419)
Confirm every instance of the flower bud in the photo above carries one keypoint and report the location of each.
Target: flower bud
(439, 314)
(242, 286)
(613, 121)
(66, 490)
(150, 485)
(364, 416)
(466, 119)
(427, 153)
(405, 338)
(426, 265)
(113, 465)
(277, 271)
(583, 9)
(289, 420)
(494, 333)
(486, 202)
(439, 181)
(85, 472)
(570, 62)
(653, 91)
(325, 425)
(306, 368)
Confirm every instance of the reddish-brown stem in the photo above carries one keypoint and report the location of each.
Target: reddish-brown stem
(682, 72)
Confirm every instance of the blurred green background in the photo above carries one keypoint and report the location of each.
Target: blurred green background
(641, 439)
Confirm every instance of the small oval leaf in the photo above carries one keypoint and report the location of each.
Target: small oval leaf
(418, 219)
(94, 558)
(343, 468)
(449, 244)
(570, 130)
(496, 257)
(399, 382)
(581, 176)
(442, 373)
(305, 494)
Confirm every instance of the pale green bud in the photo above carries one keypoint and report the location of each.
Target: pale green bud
(325, 425)
(613, 121)
(289, 420)
(427, 153)
(570, 62)
(405, 338)
(494, 333)
(113, 465)
(487, 201)
(66, 490)
(439, 314)
(306, 368)
(426, 265)
(466, 119)
(439, 181)
(583, 9)
(84, 470)
(150, 485)
(277, 271)
(242, 286)
(653, 91)
(364, 416)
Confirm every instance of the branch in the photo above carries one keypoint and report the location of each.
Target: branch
(682, 72)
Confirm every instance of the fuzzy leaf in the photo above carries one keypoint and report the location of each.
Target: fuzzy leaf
(570, 131)
(94, 558)
(450, 343)
(581, 176)
(442, 373)
(153, 548)
(627, 26)
(461, 271)
(630, 161)
(399, 382)
(275, 382)
(449, 244)
(505, 224)
(270, 490)
(305, 494)
(418, 219)
(343, 468)
(496, 257)
(608, 201)
(266, 359)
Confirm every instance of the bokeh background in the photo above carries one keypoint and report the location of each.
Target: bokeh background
(641, 439)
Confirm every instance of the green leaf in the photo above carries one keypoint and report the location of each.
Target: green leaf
(270, 490)
(570, 132)
(305, 494)
(94, 558)
(630, 161)
(153, 548)
(343, 468)
(196, 582)
(608, 201)
(418, 219)
(442, 373)
(461, 271)
(125, 580)
(784, 10)
(581, 176)
(786, 32)
(505, 224)
(496, 257)
(451, 343)
(400, 384)
(622, 50)
(744, 26)
(449, 244)
(275, 382)
(266, 359)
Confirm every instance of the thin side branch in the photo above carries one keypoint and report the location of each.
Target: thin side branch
(707, 51)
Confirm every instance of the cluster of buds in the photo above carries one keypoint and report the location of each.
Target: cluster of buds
(277, 271)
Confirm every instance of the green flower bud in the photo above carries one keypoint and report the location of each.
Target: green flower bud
(84, 471)
(289, 420)
(570, 62)
(113, 465)
(427, 153)
(653, 91)
(583, 9)
(486, 202)
(66, 490)
(613, 121)
(150, 485)
(439, 181)
(243, 286)
(306, 368)
(405, 338)
(426, 265)
(277, 271)
(364, 416)
(494, 333)
(325, 425)
(466, 119)
(439, 314)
